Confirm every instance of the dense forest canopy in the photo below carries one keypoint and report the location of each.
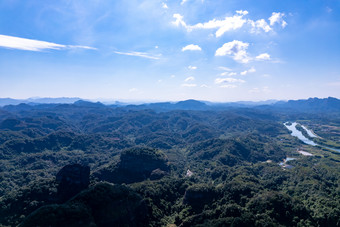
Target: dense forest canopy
(189, 163)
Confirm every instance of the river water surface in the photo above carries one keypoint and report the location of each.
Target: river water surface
(300, 136)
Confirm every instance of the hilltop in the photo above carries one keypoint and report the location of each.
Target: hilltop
(188, 163)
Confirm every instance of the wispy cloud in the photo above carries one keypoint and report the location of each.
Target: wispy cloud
(251, 70)
(329, 10)
(228, 74)
(224, 68)
(236, 49)
(228, 86)
(164, 5)
(139, 54)
(35, 45)
(192, 67)
(234, 22)
(192, 47)
(205, 86)
(228, 80)
(190, 78)
(183, 1)
(188, 85)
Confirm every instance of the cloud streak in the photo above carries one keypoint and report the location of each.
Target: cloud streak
(228, 80)
(139, 54)
(188, 85)
(190, 78)
(18, 43)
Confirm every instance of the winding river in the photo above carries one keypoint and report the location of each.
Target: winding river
(301, 137)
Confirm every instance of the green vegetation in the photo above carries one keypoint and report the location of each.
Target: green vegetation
(139, 160)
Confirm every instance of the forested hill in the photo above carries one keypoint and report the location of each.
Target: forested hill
(189, 163)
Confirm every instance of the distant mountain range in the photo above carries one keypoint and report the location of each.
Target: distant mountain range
(306, 105)
(311, 104)
(33, 101)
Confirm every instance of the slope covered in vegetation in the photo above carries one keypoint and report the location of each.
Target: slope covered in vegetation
(204, 167)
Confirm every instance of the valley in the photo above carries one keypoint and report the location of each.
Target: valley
(163, 164)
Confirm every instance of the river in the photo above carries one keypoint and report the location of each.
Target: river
(300, 136)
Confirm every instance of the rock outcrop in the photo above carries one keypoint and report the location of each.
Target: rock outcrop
(71, 180)
(135, 165)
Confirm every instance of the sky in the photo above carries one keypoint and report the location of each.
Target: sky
(164, 50)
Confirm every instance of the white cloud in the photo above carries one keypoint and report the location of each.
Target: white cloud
(234, 22)
(242, 12)
(192, 47)
(188, 85)
(277, 18)
(192, 67)
(228, 80)
(139, 54)
(172, 76)
(164, 5)
(236, 49)
(259, 25)
(190, 78)
(251, 70)
(225, 25)
(179, 20)
(228, 86)
(34, 45)
(263, 56)
(228, 74)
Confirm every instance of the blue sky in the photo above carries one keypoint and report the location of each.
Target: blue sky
(159, 50)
